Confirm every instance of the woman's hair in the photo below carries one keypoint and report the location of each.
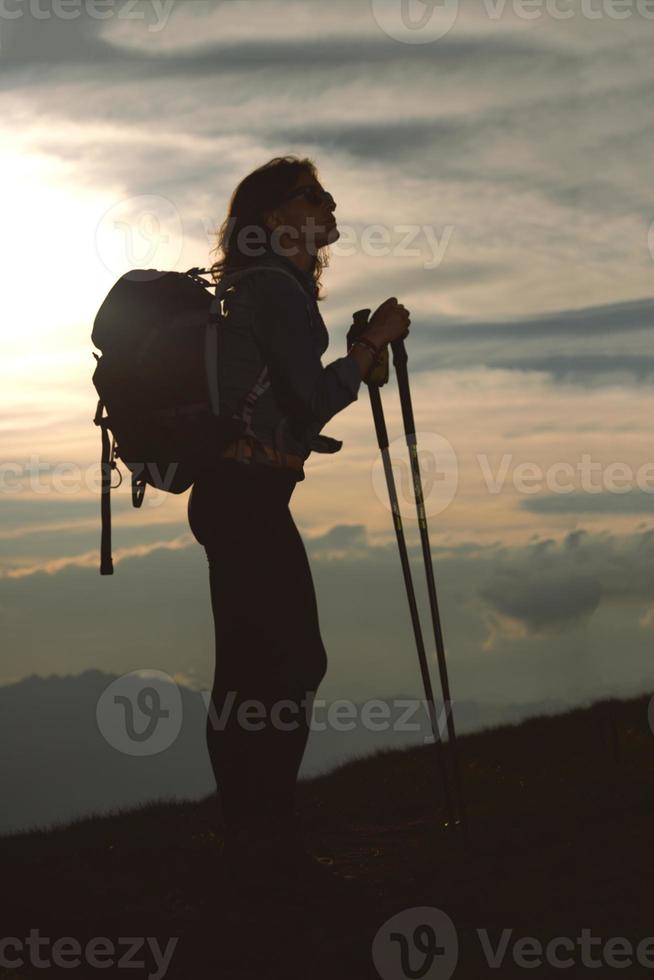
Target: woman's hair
(257, 194)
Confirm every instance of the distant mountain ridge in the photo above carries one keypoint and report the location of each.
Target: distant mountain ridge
(56, 764)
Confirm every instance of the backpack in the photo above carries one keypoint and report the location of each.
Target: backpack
(158, 380)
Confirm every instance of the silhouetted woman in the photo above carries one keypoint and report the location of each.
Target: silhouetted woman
(270, 657)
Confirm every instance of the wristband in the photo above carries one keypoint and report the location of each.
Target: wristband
(370, 350)
(367, 347)
(369, 343)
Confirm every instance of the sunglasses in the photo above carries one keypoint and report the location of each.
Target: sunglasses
(313, 195)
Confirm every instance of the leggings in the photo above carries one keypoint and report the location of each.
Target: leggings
(268, 644)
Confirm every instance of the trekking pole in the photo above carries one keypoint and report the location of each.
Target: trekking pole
(400, 363)
(360, 320)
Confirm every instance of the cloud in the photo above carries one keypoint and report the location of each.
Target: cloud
(557, 344)
(50, 508)
(343, 541)
(90, 559)
(86, 41)
(543, 598)
(500, 607)
(632, 502)
(587, 322)
(587, 368)
(548, 585)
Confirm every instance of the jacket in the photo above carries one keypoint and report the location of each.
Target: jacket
(271, 321)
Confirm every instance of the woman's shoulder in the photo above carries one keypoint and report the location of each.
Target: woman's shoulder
(263, 276)
(269, 286)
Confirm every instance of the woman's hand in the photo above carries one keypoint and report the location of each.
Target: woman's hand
(389, 322)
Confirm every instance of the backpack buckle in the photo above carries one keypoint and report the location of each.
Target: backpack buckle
(138, 489)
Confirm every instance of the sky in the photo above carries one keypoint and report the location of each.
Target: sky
(491, 164)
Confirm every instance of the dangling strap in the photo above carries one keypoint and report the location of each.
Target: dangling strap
(106, 561)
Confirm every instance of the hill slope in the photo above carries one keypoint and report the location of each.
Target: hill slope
(560, 814)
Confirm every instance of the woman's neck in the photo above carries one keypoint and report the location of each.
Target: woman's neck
(300, 258)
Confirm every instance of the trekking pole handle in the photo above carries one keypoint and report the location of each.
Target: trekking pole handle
(378, 372)
(359, 324)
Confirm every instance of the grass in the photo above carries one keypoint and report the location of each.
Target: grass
(559, 811)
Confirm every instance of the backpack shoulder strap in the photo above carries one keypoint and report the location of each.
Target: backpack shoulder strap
(262, 382)
(233, 277)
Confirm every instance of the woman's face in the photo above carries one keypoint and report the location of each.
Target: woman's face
(306, 219)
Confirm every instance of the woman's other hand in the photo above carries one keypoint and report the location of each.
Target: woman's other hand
(389, 322)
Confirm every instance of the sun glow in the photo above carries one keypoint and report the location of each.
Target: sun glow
(53, 277)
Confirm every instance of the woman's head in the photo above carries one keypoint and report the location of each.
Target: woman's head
(280, 206)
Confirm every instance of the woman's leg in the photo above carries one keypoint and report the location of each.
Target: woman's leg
(268, 652)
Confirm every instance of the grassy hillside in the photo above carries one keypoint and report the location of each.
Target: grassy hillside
(560, 821)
